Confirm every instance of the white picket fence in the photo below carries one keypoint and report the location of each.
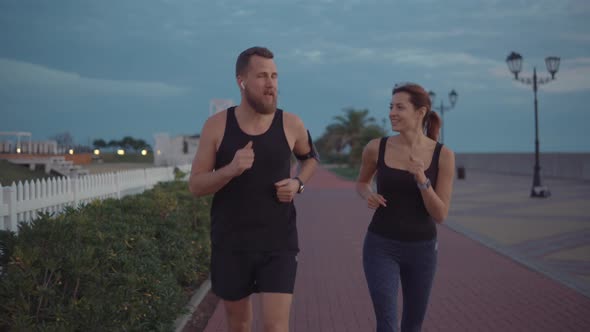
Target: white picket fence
(21, 202)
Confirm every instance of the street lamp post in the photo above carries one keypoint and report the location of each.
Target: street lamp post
(514, 61)
(442, 109)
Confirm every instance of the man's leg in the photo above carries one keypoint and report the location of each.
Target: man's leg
(276, 281)
(239, 315)
(233, 281)
(276, 308)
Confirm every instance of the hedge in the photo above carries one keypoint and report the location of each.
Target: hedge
(111, 265)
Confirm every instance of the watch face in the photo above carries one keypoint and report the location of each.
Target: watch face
(425, 185)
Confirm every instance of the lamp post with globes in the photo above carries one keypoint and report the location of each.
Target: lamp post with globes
(442, 109)
(514, 61)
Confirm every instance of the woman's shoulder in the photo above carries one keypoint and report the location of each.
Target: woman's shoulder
(447, 156)
(444, 149)
(374, 143)
(371, 150)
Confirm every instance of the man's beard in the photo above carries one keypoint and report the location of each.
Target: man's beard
(260, 106)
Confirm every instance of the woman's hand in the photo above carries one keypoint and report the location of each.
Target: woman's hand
(417, 168)
(375, 200)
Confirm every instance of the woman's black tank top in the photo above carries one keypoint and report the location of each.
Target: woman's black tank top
(405, 218)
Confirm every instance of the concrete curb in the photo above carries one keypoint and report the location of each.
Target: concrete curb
(556, 276)
(192, 305)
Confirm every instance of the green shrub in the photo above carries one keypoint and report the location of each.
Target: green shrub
(112, 265)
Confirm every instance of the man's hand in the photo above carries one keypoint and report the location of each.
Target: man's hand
(243, 160)
(286, 189)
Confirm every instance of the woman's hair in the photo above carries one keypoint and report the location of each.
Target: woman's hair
(420, 98)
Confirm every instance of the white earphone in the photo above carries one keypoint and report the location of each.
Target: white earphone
(243, 85)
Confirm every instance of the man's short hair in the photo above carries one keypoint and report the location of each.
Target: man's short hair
(244, 57)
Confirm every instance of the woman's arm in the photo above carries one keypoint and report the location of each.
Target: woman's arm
(366, 173)
(438, 201)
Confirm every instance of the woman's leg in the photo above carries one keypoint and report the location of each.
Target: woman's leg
(417, 274)
(382, 273)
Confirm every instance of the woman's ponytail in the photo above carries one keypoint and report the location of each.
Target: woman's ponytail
(432, 124)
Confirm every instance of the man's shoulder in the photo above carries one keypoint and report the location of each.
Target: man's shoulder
(215, 124)
(217, 118)
(291, 119)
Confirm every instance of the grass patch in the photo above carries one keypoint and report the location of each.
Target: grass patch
(127, 158)
(346, 172)
(13, 173)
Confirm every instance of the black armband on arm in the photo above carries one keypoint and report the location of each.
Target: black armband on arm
(312, 152)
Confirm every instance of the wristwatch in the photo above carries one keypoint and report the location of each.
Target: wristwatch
(301, 186)
(425, 185)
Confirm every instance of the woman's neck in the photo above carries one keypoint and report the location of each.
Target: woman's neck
(412, 139)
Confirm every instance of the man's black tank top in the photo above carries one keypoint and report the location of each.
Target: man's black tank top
(246, 213)
(405, 218)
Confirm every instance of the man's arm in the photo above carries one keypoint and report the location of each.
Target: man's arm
(303, 150)
(204, 180)
(305, 153)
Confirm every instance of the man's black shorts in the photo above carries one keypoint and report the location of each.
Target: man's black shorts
(237, 274)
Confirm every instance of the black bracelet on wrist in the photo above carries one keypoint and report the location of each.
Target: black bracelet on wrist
(301, 186)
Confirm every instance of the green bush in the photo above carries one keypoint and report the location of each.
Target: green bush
(112, 265)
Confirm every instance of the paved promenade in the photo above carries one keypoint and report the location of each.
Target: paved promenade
(506, 262)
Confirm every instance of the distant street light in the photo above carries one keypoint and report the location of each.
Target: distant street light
(144, 152)
(96, 152)
(514, 61)
(442, 109)
(121, 152)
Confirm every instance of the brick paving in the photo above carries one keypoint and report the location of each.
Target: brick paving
(476, 288)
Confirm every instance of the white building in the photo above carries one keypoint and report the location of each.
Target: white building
(175, 151)
(21, 142)
(181, 150)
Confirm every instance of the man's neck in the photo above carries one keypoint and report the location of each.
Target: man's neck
(247, 112)
(251, 121)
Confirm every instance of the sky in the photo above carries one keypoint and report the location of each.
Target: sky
(113, 68)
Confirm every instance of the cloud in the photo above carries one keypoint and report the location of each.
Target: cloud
(517, 101)
(499, 9)
(428, 58)
(311, 56)
(579, 6)
(380, 94)
(570, 80)
(438, 34)
(243, 12)
(576, 62)
(32, 79)
(415, 57)
(576, 37)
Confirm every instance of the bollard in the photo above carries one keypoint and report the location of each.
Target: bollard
(461, 173)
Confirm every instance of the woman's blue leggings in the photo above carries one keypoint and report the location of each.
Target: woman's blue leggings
(387, 263)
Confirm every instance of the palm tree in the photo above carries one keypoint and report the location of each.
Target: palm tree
(350, 126)
(367, 134)
(349, 133)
